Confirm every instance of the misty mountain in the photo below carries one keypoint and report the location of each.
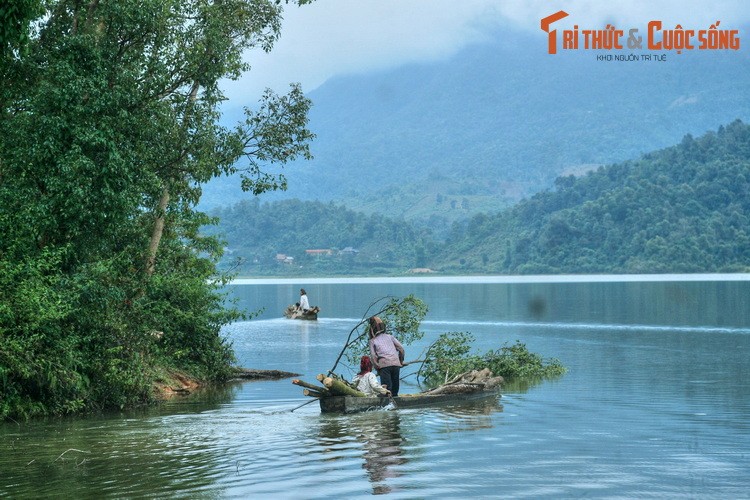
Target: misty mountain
(683, 209)
(497, 123)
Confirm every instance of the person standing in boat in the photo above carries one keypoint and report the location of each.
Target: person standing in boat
(304, 304)
(387, 354)
(366, 381)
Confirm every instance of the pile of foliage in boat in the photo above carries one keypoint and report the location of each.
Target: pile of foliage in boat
(471, 381)
(335, 385)
(332, 385)
(446, 366)
(450, 355)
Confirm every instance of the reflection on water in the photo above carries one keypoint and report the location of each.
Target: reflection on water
(672, 300)
(379, 433)
(109, 456)
(656, 403)
(383, 452)
(524, 385)
(389, 440)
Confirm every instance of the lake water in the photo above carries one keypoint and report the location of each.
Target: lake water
(656, 403)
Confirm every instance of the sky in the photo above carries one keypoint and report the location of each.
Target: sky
(338, 37)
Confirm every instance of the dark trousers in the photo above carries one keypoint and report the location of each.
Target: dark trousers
(389, 376)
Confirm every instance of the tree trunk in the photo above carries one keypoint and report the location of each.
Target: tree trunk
(475, 380)
(253, 374)
(314, 387)
(456, 389)
(313, 394)
(153, 246)
(161, 211)
(339, 388)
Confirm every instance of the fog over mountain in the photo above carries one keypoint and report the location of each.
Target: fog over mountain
(497, 123)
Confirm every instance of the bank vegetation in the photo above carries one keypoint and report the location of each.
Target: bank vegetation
(109, 125)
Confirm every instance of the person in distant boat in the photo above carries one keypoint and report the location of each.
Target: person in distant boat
(387, 354)
(304, 304)
(367, 382)
(302, 308)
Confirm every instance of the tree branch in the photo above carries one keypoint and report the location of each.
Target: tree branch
(365, 317)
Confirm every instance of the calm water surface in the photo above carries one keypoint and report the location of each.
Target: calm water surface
(656, 404)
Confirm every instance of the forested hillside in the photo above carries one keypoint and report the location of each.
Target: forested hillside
(441, 141)
(273, 238)
(681, 209)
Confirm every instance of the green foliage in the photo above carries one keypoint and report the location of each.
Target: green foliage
(402, 317)
(275, 133)
(450, 356)
(15, 18)
(258, 232)
(113, 110)
(190, 314)
(682, 209)
(39, 363)
(445, 358)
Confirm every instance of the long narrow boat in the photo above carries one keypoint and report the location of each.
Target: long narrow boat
(355, 404)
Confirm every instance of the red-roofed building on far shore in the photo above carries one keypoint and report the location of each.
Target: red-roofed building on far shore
(319, 252)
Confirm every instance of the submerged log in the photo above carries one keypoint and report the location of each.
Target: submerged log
(250, 374)
(340, 388)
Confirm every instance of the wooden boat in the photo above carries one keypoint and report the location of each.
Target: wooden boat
(311, 314)
(355, 404)
(337, 395)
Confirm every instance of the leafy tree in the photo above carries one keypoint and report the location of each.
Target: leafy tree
(108, 127)
(15, 19)
(450, 355)
(402, 317)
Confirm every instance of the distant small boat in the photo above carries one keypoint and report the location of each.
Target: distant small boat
(355, 404)
(311, 314)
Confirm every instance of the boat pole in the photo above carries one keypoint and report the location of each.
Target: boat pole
(392, 401)
(303, 404)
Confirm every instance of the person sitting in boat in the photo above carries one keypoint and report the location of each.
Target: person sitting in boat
(387, 354)
(367, 382)
(302, 308)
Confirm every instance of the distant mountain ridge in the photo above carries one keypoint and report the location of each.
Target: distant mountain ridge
(684, 209)
(497, 123)
(293, 237)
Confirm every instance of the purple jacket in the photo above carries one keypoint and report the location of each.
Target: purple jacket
(384, 350)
